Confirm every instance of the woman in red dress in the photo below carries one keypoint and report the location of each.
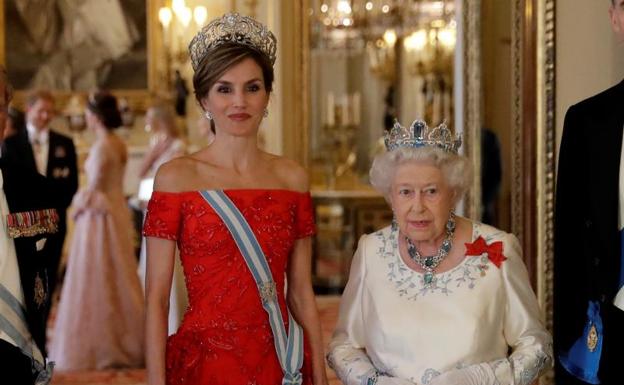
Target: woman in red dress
(225, 337)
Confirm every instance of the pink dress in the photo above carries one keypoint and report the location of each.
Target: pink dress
(99, 321)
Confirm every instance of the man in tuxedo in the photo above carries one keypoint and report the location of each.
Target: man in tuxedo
(25, 220)
(588, 241)
(52, 155)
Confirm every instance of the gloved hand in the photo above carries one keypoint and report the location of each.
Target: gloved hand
(385, 380)
(478, 374)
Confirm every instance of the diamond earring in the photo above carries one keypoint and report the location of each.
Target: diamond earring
(208, 115)
(265, 113)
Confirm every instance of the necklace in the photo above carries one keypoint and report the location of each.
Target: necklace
(430, 263)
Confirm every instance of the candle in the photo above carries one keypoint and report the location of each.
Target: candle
(330, 109)
(356, 108)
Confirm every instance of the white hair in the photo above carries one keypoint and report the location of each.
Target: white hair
(455, 168)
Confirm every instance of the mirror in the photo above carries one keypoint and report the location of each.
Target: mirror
(371, 63)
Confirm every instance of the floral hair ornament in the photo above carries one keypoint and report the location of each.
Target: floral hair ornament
(232, 28)
(420, 135)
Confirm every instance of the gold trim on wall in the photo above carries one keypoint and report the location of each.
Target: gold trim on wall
(473, 99)
(137, 99)
(295, 76)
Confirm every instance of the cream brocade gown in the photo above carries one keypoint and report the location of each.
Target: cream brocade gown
(99, 321)
(391, 322)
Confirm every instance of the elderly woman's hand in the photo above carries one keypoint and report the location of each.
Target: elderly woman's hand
(478, 374)
(385, 380)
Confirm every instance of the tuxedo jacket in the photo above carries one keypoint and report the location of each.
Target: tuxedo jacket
(62, 169)
(24, 191)
(587, 243)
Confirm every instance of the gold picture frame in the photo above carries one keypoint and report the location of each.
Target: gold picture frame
(138, 99)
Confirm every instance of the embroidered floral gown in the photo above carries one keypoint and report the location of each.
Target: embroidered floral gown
(225, 337)
(391, 322)
(100, 315)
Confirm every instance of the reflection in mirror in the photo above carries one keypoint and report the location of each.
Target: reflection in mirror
(372, 62)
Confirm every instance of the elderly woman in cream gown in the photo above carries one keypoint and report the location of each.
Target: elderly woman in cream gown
(436, 299)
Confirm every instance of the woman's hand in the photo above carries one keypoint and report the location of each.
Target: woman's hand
(478, 374)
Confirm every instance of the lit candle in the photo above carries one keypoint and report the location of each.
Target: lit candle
(356, 108)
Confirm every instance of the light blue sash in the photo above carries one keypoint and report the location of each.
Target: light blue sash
(289, 347)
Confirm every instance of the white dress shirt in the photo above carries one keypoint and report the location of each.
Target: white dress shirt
(40, 143)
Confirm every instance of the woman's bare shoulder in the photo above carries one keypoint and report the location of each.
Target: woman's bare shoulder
(175, 175)
(291, 173)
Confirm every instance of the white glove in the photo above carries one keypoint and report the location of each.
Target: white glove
(385, 380)
(478, 374)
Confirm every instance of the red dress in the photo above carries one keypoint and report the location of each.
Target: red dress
(225, 337)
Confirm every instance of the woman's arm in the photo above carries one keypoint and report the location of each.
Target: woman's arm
(523, 330)
(160, 259)
(161, 246)
(301, 302)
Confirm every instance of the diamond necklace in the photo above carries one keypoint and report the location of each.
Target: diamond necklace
(430, 263)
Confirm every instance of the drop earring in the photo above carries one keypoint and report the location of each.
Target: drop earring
(208, 115)
(265, 113)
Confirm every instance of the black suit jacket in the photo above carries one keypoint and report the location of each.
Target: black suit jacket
(62, 169)
(26, 190)
(587, 245)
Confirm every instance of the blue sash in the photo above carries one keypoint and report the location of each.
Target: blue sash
(289, 347)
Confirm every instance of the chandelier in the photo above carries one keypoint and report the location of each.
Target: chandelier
(425, 30)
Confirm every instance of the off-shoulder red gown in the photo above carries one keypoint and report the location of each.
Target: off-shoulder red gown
(225, 337)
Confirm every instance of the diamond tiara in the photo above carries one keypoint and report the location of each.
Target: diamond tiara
(420, 135)
(232, 28)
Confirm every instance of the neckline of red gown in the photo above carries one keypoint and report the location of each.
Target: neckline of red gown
(236, 190)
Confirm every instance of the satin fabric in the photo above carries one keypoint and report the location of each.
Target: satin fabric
(391, 322)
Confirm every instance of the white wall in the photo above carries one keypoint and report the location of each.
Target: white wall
(589, 57)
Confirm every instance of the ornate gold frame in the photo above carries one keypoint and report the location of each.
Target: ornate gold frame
(138, 99)
(534, 163)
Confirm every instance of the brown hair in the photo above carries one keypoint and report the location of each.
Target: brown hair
(8, 90)
(36, 95)
(222, 58)
(104, 106)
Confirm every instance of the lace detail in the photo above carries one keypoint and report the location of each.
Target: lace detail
(410, 283)
(225, 337)
(528, 367)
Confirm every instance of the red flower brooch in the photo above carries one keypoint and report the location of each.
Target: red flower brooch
(494, 250)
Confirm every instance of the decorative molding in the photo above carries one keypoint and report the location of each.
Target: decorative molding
(471, 21)
(546, 161)
(516, 123)
(295, 48)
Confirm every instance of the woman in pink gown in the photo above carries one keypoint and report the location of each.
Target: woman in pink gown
(99, 321)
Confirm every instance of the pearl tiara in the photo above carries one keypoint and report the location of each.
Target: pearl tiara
(232, 28)
(420, 135)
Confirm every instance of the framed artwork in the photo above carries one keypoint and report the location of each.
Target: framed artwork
(77, 46)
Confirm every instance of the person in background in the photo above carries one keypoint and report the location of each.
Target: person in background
(589, 248)
(164, 146)
(242, 326)
(435, 298)
(165, 143)
(26, 220)
(99, 322)
(52, 155)
(15, 122)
